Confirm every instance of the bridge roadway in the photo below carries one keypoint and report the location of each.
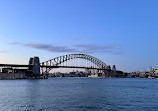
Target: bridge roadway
(43, 66)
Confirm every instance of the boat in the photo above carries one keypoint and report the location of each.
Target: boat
(150, 77)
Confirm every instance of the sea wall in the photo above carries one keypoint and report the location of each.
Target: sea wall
(12, 76)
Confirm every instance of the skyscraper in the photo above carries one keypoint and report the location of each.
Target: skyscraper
(150, 69)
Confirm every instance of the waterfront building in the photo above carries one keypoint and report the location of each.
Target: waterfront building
(156, 71)
(150, 69)
(109, 67)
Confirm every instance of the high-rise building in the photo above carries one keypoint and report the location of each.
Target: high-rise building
(150, 69)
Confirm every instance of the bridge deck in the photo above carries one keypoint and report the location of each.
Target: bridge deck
(43, 66)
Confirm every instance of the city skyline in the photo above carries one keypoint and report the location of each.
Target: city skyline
(122, 32)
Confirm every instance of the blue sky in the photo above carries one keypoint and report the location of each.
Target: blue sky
(120, 32)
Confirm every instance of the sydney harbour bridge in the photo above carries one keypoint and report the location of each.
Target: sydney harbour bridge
(81, 61)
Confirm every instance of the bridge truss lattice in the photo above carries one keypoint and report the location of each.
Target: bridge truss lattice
(73, 61)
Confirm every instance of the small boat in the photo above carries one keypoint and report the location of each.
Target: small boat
(150, 77)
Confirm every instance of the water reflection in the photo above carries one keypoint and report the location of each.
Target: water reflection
(75, 94)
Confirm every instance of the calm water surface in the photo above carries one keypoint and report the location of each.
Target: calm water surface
(79, 94)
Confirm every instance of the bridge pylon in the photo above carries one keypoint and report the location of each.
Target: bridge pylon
(34, 66)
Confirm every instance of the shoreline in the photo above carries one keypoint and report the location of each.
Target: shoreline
(33, 78)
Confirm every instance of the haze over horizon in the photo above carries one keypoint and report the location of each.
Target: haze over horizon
(120, 32)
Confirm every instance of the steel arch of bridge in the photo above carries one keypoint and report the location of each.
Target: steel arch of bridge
(61, 59)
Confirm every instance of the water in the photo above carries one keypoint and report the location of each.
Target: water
(79, 94)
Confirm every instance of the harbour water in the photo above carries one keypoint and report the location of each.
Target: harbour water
(79, 94)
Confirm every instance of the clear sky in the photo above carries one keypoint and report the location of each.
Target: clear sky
(120, 32)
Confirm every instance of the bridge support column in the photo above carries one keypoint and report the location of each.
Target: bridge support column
(36, 66)
(35, 62)
(114, 70)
